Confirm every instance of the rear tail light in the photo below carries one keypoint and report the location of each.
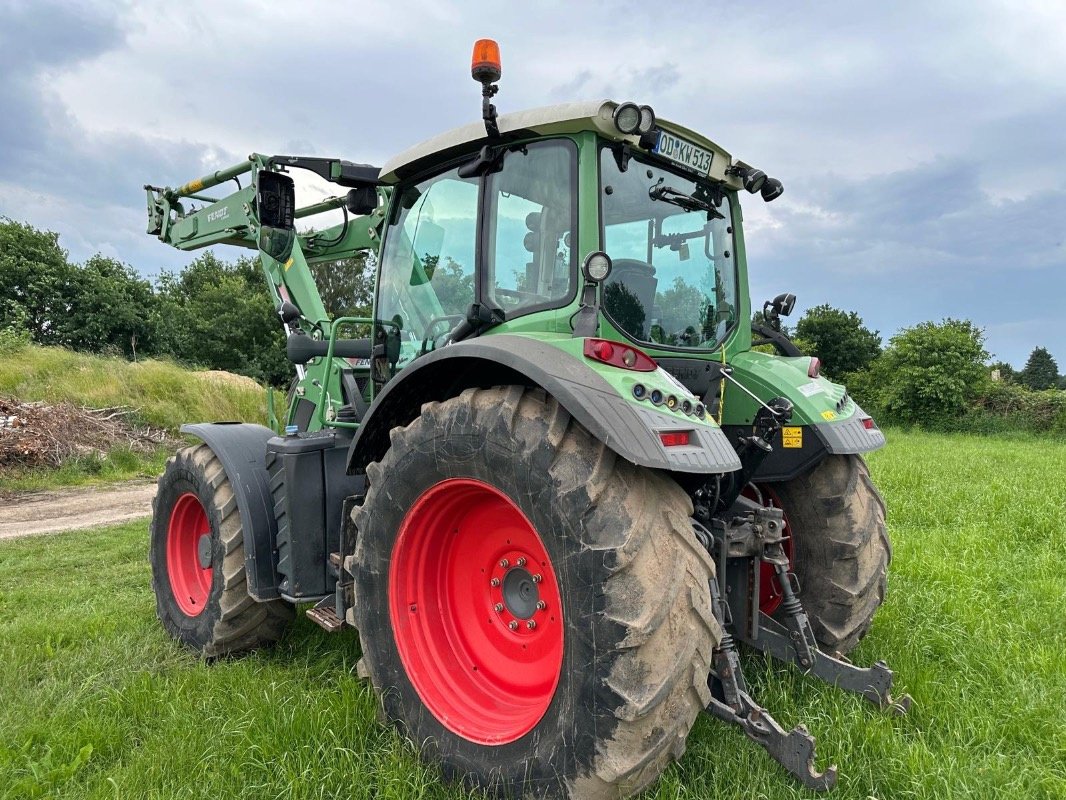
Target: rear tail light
(869, 424)
(814, 369)
(675, 438)
(619, 355)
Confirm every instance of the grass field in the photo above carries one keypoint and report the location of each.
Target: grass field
(96, 702)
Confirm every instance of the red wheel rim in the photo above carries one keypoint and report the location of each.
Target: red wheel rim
(476, 611)
(769, 586)
(190, 581)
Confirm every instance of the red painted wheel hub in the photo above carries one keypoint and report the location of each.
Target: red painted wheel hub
(187, 552)
(769, 586)
(476, 611)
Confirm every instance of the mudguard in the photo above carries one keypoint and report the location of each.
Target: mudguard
(241, 447)
(630, 430)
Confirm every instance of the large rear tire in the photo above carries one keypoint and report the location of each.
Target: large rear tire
(494, 510)
(840, 548)
(197, 557)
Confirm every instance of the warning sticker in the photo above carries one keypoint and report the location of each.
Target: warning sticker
(810, 389)
(829, 415)
(792, 437)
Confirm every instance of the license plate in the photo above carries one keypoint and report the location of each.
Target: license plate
(684, 153)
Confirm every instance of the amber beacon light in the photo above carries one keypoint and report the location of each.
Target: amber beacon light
(485, 63)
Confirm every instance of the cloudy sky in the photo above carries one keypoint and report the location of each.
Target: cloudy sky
(921, 144)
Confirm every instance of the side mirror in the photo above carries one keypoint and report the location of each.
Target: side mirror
(276, 200)
(362, 200)
(784, 303)
(780, 306)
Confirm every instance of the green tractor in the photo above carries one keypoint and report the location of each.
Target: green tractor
(554, 486)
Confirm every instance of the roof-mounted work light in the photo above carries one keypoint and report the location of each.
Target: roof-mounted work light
(632, 119)
(753, 179)
(772, 189)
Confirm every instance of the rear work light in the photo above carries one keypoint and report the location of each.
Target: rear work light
(619, 355)
(675, 438)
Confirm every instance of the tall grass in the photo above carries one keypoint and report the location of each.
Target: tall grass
(98, 703)
(164, 394)
(160, 394)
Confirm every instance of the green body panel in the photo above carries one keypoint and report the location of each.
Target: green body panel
(815, 400)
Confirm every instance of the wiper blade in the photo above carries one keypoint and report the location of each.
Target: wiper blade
(689, 202)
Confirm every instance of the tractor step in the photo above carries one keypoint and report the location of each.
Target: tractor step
(325, 616)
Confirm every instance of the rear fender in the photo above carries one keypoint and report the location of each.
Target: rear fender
(629, 429)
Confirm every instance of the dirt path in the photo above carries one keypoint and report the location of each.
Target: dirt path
(74, 509)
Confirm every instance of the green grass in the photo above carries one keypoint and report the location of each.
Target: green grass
(163, 394)
(96, 702)
(121, 464)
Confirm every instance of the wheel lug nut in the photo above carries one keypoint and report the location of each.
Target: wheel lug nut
(537, 578)
(541, 605)
(521, 562)
(504, 563)
(531, 624)
(495, 582)
(498, 607)
(513, 624)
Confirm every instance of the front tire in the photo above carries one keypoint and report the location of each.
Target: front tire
(593, 700)
(197, 557)
(840, 548)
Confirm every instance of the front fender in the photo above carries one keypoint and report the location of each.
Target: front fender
(630, 429)
(241, 447)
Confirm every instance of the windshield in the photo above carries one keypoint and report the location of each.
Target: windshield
(671, 240)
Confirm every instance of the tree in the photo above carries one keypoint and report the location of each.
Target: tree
(220, 315)
(35, 281)
(839, 339)
(346, 285)
(110, 307)
(932, 371)
(1040, 371)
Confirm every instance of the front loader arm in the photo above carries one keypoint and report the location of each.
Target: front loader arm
(261, 216)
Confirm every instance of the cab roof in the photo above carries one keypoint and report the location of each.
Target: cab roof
(597, 116)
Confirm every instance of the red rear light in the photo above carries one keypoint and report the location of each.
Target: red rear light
(619, 355)
(869, 424)
(675, 438)
(603, 351)
(815, 368)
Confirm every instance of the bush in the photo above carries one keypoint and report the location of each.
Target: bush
(932, 373)
(1007, 406)
(839, 339)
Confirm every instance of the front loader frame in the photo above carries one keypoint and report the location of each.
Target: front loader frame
(261, 216)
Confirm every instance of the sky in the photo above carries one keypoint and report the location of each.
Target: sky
(921, 145)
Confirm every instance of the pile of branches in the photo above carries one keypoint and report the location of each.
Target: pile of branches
(39, 435)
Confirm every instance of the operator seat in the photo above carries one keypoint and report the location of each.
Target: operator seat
(638, 278)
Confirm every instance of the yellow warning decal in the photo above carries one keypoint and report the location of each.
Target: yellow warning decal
(288, 264)
(829, 415)
(792, 437)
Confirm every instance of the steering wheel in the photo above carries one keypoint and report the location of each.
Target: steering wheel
(516, 294)
(429, 342)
